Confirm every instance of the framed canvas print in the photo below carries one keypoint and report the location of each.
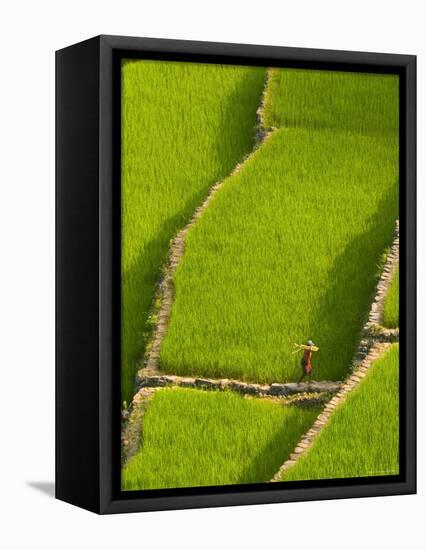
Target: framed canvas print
(235, 274)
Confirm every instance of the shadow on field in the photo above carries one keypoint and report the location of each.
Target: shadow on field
(267, 461)
(138, 284)
(349, 294)
(242, 94)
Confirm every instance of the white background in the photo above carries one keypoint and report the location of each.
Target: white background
(30, 31)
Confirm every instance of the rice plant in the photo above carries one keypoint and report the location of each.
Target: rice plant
(195, 438)
(360, 103)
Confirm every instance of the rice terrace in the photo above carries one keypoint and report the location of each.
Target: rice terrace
(260, 275)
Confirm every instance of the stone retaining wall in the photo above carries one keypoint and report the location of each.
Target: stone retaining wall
(375, 317)
(131, 432)
(260, 390)
(373, 331)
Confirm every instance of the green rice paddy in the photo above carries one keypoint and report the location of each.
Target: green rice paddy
(195, 438)
(184, 126)
(355, 102)
(288, 249)
(361, 438)
(391, 309)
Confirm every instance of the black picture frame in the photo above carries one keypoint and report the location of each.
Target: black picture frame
(88, 273)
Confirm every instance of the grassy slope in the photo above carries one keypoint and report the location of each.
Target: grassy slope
(391, 310)
(361, 438)
(184, 126)
(288, 249)
(196, 438)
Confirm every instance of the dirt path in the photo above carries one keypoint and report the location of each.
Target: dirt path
(276, 389)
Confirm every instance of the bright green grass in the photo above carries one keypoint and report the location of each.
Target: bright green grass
(361, 438)
(286, 251)
(196, 438)
(360, 103)
(391, 310)
(184, 126)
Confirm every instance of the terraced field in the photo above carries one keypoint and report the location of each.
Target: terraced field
(289, 247)
(288, 250)
(184, 126)
(365, 104)
(361, 439)
(194, 438)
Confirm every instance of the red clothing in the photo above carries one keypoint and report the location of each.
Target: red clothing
(306, 362)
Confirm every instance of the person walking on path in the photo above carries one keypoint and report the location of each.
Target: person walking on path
(306, 359)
